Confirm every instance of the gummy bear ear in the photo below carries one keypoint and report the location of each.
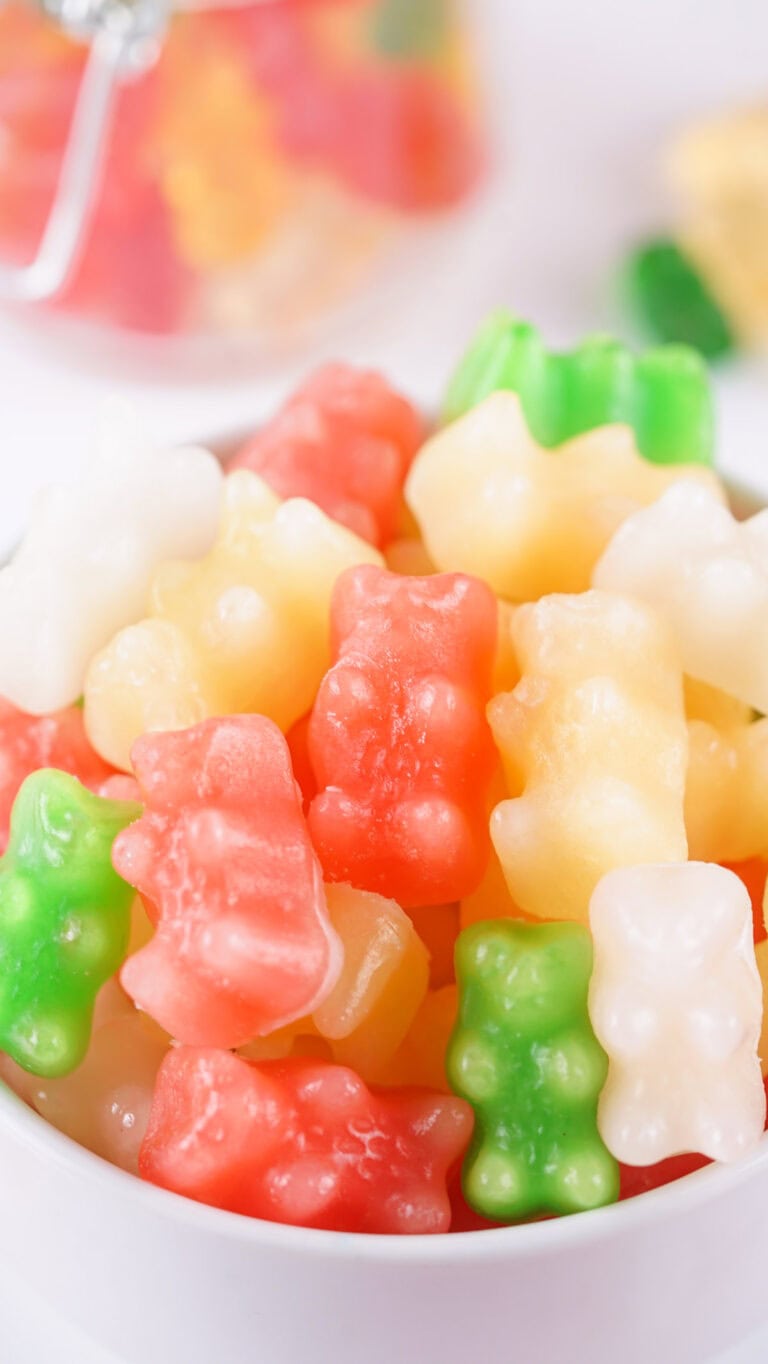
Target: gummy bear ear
(355, 591)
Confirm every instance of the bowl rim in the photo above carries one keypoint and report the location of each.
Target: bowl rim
(689, 1193)
(522, 1240)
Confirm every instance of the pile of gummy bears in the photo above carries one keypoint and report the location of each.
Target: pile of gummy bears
(257, 169)
(348, 795)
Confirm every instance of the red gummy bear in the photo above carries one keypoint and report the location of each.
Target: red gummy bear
(29, 742)
(398, 738)
(753, 873)
(243, 942)
(303, 1142)
(344, 440)
(640, 1179)
(404, 140)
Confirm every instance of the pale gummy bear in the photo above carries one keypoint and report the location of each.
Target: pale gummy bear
(84, 567)
(245, 629)
(594, 745)
(492, 502)
(676, 1002)
(708, 574)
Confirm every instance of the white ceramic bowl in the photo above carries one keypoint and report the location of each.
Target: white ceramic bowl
(671, 1277)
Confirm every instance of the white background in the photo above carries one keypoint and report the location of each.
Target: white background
(586, 92)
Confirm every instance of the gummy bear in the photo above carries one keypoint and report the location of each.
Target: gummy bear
(726, 791)
(524, 1055)
(753, 872)
(529, 521)
(420, 1059)
(303, 1142)
(244, 629)
(345, 441)
(717, 168)
(383, 980)
(221, 174)
(676, 1001)
(594, 739)
(64, 919)
(663, 395)
(104, 1104)
(707, 574)
(438, 928)
(398, 739)
(29, 742)
(85, 564)
(243, 942)
(673, 301)
(715, 707)
(403, 139)
(640, 1179)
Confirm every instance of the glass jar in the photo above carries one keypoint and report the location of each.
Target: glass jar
(252, 169)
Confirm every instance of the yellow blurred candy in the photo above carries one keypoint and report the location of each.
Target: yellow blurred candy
(245, 629)
(597, 730)
(530, 521)
(720, 169)
(225, 182)
(726, 796)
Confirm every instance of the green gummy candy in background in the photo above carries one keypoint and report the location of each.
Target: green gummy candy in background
(524, 1055)
(410, 28)
(663, 394)
(64, 918)
(671, 300)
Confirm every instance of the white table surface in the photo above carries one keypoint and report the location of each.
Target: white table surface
(592, 90)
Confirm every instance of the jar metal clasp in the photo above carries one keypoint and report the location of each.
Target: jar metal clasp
(124, 38)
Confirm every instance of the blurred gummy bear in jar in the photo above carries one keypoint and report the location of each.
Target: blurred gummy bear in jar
(255, 172)
(706, 283)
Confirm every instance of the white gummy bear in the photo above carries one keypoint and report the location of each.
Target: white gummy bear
(707, 573)
(84, 567)
(676, 1001)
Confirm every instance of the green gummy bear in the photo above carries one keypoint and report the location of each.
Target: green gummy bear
(664, 394)
(524, 1055)
(408, 29)
(64, 918)
(672, 302)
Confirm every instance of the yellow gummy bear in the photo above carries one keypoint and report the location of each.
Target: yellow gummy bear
(530, 521)
(382, 984)
(223, 177)
(596, 732)
(420, 1060)
(726, 795)
(720, 170)
(245, 629)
